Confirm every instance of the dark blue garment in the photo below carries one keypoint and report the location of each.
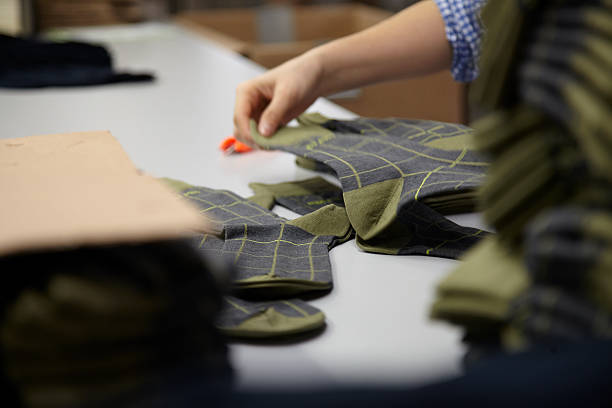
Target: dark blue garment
(32, 63)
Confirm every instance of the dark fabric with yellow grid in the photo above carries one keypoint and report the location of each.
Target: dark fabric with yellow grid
(266, 251)
(388, 169)
(242, 318)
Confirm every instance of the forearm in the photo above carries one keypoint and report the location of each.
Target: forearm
(410, 43)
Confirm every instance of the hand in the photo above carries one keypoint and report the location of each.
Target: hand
(276, 97)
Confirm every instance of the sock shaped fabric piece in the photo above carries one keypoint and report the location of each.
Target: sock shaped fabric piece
(87, 324)
(480, 291)
(241, 318)
(384, 177)
(270, 254)
(301, 197)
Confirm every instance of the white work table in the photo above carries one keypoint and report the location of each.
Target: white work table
(378, 330)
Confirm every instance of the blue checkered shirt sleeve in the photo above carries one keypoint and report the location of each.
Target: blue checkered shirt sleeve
(463, 31)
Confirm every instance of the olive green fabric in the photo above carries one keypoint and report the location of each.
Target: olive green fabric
(301, 197)
(546, 81)
(266, 320)
(84, 325)
(387, 169)
(479, 292)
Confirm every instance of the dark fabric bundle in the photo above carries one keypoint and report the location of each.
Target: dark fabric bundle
(101, 323)
(32, 63)
(546, 79)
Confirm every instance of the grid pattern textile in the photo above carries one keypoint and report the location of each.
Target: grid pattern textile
(386, 168)
(302, 197)
(267, 252)
(252, 319)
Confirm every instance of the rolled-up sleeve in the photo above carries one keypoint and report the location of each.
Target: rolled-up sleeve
(463, 31)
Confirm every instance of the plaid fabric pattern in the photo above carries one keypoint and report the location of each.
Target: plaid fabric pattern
(372, 158)
(463, 31)
(263, 247)
(256, 319)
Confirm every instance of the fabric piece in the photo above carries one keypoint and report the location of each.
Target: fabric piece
(270, 255)
(463, 31)
(476, 294)
(301, 197)
(545, 77)
(87, 324)
(385, 170)
(241, 318)
(31, 63)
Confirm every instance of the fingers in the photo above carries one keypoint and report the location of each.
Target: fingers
(276, 113)
(249, 104)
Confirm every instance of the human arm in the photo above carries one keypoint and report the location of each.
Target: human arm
(410, 43)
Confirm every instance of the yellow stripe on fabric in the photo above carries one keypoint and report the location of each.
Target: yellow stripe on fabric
(296, 308)
(237, 306)
(310, 257)
(280, 235)
(452, 240)
(416, 195)
(244, 237)
(349, 165)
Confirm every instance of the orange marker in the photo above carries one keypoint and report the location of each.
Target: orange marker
(230, 145)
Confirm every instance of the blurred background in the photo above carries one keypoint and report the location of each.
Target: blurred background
(28, 16)
(268, 32)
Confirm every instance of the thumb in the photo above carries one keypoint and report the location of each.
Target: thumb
(273, 116)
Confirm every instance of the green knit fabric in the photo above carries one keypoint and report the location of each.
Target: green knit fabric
(546, 78)
(388, 169)
(302, 197)
(270, 319)
(84, 325)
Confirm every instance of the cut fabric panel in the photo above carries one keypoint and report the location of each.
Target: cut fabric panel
(270, 254)
(386, 170)
(301, 197)
(241, 318)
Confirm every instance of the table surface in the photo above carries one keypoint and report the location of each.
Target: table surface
(378, 330)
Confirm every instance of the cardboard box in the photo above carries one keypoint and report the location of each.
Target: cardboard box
(68, 190)
(72, 13)
(271, 35)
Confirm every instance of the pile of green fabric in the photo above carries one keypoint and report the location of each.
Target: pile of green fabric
(108, 323)
(547, 275)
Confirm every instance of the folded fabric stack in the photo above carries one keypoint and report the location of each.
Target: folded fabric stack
(394, 174)
(546, 276)
(274, 259)
(109, 323)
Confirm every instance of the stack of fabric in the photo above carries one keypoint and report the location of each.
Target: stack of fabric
(109, 323)
(394, 174)
(396, 177)
(274, 259)
(547, 276)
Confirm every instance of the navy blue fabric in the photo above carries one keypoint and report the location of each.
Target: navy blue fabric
(32, 63)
